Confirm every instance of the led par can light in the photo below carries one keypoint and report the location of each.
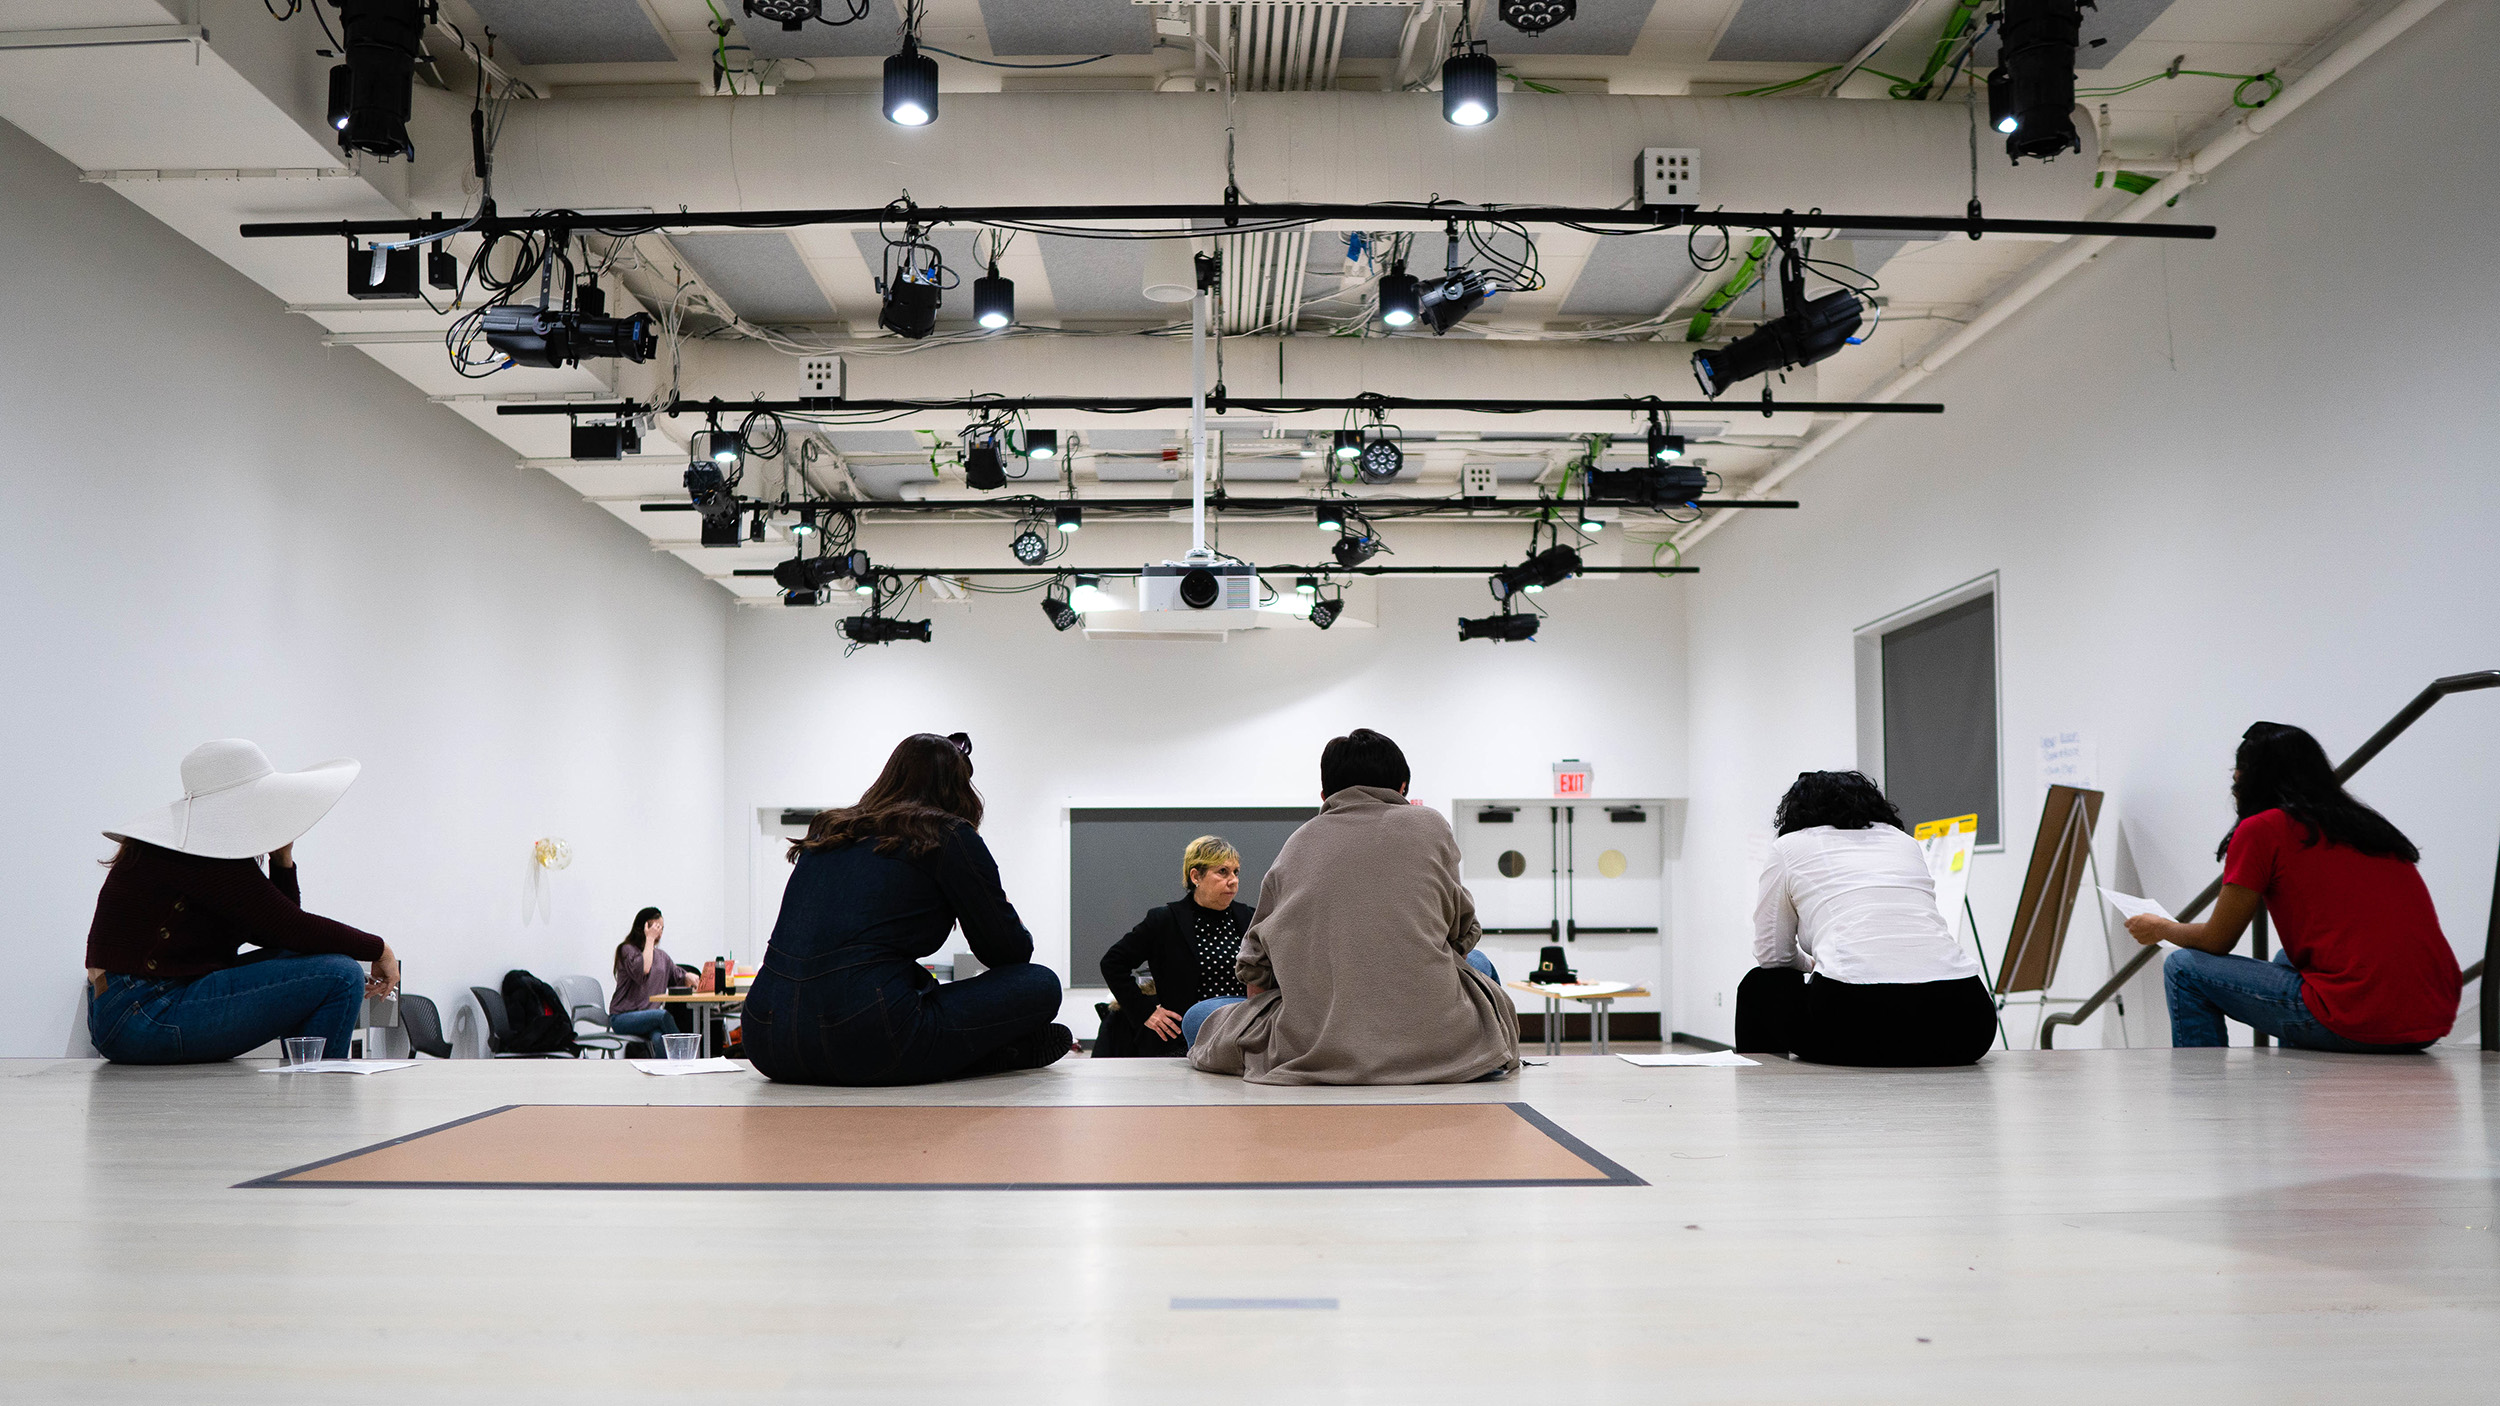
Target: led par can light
(791, 15)
(994, 300)
(1041, 444)
(911, 87)
(1055, 608)
(1029, 547)
(1381, 461)
(1324, 613)
(1499, 627)
(1471, 87)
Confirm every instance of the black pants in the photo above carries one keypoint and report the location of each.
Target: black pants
(1898, 1025)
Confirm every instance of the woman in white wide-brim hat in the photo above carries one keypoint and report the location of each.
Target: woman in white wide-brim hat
(167, 981)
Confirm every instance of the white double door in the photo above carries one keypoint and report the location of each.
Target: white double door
(1588, 876)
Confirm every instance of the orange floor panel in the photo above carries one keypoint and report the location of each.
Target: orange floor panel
(569, 1146)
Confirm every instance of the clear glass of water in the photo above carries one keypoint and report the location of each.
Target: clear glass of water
(682, 1046)
(304, 1049)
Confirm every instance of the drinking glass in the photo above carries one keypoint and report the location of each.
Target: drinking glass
(304, 1049)
(683, 1046)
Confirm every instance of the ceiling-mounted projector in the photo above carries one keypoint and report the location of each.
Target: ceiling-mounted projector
(1212, 595)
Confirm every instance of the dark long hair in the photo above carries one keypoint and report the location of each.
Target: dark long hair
(925, 788)
(632, 945)
(1844, 800)
(2283, 768)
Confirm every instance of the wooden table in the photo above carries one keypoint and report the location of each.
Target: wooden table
(1600, 1006)
(702, 1018)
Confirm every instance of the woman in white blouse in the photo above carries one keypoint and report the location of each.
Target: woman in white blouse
(1847, 898)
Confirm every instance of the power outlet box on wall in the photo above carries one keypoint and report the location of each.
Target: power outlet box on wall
(1668, 175)
(1478, 481)
(821, 378)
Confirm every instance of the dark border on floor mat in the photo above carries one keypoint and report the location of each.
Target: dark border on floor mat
(1616, 1174)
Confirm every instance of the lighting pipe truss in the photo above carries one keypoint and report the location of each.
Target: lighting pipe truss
(1198, 221)
(1332, 569)
(1217, 500)
(1217, 401)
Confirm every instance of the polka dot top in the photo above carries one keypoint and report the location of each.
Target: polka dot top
(1217, 943)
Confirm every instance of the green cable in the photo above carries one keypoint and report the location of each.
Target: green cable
(1748, 270)
(2239, 95)
(1955, 26)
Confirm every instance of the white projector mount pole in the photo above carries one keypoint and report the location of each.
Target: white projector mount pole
(1198, 424)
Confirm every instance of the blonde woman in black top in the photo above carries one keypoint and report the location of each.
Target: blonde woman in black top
(1190, 946)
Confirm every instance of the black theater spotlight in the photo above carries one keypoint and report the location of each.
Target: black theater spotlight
(1057, 610)
(1554, 565)
(911, 86)
(380, 42)
(1382, 459)
(1347, 446)
(1505, 626)
(1665, 446)
(1359, 545)
(1803, 334)
(985, 469)
(1041, 444)
(2031, 93)
(1471, 85)
(994, 300)
(1070, 517)
(913, 286)
(1401, 296)
(1447, 300)
(1331, 517)
(872, 628)
(563, 336)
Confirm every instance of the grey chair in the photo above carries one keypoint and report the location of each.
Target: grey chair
(499, 1026)
(582, 997)
(423, 1025)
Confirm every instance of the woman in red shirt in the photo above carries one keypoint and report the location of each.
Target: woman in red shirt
(2364, 967)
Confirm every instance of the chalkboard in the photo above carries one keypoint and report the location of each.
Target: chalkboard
(1123, 861)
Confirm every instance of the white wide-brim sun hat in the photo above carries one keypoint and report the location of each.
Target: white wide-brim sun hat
(235, 805)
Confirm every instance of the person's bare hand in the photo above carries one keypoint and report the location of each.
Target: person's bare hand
(1164, 1024)
(2149, 928)
(385, 977)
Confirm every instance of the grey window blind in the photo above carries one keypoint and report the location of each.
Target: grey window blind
(1123, 861)
(1940, 716)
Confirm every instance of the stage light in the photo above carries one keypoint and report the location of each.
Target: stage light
(805, 573)
(911, 306)
(1499, 627)
(1471, 86)
(708, 489)
(342, 92)
(1071, 517)
(1306, 585)
(1348, 444)
(1089, 596)
(1382, 460)
(533, 336)
(994, 300)
(721, 446)
(1356, 548)
(1041, 444)
(984, 470)
(1665, 447)
(755, 529)
(876, 629)
(1803, 334)
(1030, 547)
(1447, 300)
(789, 14)
(2036, 53)
(1324, 613)
(2001, 101)
(1552, 566)
(380, 42)
(805, 527)
(911, 86)
(1590, 522)
(1331, 518)
(1532, 16)
(1058, 611)
(1401, 296)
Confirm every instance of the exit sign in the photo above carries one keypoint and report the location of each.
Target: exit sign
(1572, 777)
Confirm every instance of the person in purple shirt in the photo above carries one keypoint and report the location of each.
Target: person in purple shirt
(643, 971)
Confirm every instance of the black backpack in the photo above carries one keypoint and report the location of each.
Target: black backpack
(535, 1019)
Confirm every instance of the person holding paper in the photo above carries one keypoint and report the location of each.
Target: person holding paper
(1847, 897)
(2364, 967)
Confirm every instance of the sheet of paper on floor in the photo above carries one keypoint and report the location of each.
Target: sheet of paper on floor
(1714, 1059)
(717, 1064)
(343, 1066)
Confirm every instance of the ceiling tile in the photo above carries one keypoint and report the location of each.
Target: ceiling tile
(1601, 27)
(1027, 27)
(879, 32)
(759, 272)
(1804, 31)
(574, 31)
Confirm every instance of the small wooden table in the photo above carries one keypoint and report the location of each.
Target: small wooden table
(1600, 1006)
(702, 1018)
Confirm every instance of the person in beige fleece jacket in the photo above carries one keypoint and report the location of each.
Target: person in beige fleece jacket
(1361, 966)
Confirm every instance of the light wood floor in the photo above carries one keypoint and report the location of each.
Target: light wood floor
(2088, 1226)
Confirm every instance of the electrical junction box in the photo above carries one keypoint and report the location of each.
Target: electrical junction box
(1478, 481)
(1215, 595)
(382, 273)
(821, 378)
(1668, 175)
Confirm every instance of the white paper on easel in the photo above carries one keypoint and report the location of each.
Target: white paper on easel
(1949, 845)
(2130, 906)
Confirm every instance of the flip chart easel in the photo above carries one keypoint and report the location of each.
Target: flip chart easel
(2060, 854)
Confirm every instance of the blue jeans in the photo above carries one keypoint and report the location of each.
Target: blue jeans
(645, 1025)
(2264, 996)
(225, 1013)
(1197, 1015)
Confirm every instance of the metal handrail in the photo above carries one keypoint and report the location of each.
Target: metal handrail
(2361, 757)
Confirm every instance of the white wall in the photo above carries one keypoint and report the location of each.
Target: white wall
(2222, 482)
(1059, 720)
(216, 528)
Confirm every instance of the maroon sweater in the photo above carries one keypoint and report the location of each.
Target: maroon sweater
(165, 915)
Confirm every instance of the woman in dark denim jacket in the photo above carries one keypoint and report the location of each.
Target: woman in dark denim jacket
(842, 997)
